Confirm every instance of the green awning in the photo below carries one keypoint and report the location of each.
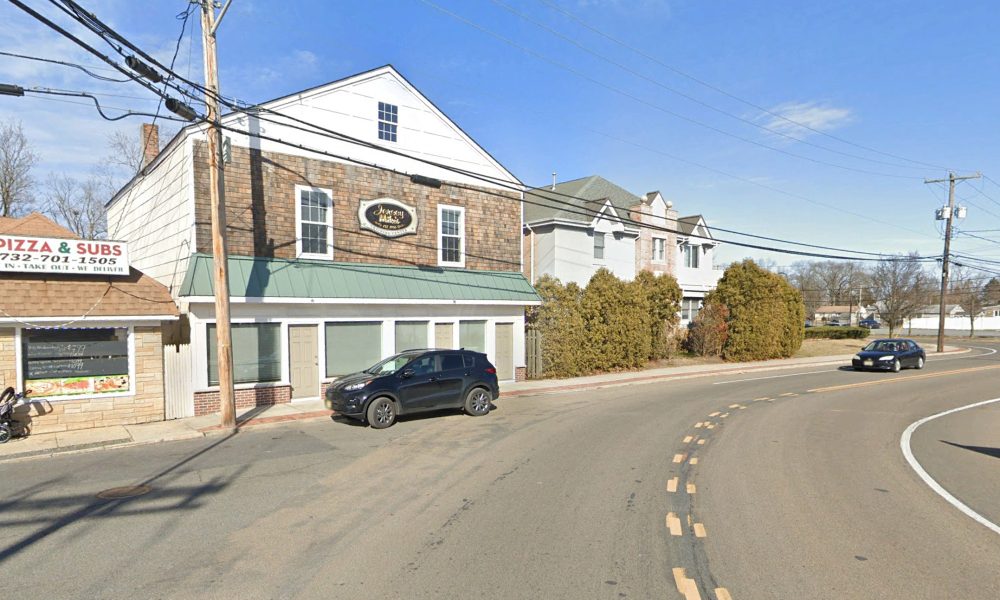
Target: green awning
(254, 277)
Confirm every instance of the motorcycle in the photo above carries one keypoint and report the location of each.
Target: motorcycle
(8, 400)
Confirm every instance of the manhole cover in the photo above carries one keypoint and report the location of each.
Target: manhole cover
(128, 491)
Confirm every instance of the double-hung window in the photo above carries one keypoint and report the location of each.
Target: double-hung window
(314, 221)
(690, 255)
(388, 120)
(451, 235)
(659, 249)
(598, 246)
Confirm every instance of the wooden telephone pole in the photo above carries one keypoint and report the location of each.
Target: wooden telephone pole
(947, 248)
(217, 195)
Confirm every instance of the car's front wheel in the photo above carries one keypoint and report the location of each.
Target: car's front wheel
(896, 366)
(920, 362)
(477, 402)
(381, 413)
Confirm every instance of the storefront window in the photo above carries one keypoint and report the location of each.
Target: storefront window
(67, 362)
(410, 335)
(352, 347)
(256, 353)
(472, 335)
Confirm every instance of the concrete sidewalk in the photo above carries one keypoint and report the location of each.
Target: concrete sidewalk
(195, 427)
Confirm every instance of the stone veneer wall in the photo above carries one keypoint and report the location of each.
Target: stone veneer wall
(644, 245)
(49, 416)
(261, 205)
(207, 403)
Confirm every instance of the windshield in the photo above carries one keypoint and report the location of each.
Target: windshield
(885, 346)
(391, 364)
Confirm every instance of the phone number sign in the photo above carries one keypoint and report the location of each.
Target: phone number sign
(26, 254)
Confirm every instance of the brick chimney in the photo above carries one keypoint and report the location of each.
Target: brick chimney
(150, 143)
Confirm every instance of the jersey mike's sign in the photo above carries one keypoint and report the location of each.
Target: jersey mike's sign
(28, 254)
(387, 217)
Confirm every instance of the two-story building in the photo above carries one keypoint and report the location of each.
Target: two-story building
(576, 227)
(398, 232)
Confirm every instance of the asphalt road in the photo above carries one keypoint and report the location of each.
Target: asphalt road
(778, 485)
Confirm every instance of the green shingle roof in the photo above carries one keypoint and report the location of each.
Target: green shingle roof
(256, 277)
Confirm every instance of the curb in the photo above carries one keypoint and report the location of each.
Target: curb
(559, 389)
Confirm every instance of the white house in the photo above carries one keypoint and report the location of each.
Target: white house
(576, 227)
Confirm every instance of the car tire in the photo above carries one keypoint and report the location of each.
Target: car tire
(381, 413)
(896, 366)
(477, 402)
(920, 362)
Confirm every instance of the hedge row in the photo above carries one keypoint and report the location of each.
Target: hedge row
(837, 333)
(762, 314)
(609, 325)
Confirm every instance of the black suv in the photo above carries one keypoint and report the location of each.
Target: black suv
(416, 381)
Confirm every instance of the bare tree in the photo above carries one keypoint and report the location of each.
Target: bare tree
(829, 282)
(899, 287)
(969, 294)
(991, 292)
(124, 158)
(78, 205)
(16, 161)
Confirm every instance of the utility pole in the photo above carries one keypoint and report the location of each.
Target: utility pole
(217, 196)
(949, 214)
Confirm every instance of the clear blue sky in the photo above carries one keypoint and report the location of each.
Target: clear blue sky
(909, 78)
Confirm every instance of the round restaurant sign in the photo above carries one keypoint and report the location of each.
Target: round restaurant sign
(387, 217)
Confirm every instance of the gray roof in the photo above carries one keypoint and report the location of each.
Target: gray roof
(571, 198)
(687, 225)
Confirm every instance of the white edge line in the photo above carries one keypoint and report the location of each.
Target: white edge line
(904, 444)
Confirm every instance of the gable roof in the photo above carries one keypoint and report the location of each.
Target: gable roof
(577, 200)
(276, 104)
(688, 225)
(35, 224)
(28, 296)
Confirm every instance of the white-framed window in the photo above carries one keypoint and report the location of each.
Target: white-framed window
(256, 353)
(388, 120)
(314, 222)
(598, 246)
(690, 307)
(352, 346)
(659, 249)
(451, 235)
(691, 257)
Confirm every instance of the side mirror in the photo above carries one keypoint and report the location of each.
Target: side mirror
(407, 373)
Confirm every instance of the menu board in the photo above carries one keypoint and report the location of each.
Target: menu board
(75, 361)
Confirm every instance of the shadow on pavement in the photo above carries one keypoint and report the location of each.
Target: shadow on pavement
(994, 452)
(88, 506)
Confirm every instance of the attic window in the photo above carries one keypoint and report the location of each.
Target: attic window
(388, 119)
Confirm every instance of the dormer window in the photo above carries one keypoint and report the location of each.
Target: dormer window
(690, 255)
(388, 119)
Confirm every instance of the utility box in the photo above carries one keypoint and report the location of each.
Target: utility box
(943, 213)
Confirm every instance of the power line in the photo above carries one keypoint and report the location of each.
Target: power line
(685, 95)
(646, 55)
(653, 105)
(67, 64)
(488, 179)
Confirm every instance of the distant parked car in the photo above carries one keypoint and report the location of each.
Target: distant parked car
(416, 381)
(809, 323)
(870, 323)
(889, 355)
(834, 323)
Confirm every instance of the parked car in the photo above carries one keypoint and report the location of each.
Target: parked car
(834, 323)
(416, 381)
(809, 323)
(870, 323)
(890, 355)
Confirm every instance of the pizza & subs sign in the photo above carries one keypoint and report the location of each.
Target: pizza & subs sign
(27, 254)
